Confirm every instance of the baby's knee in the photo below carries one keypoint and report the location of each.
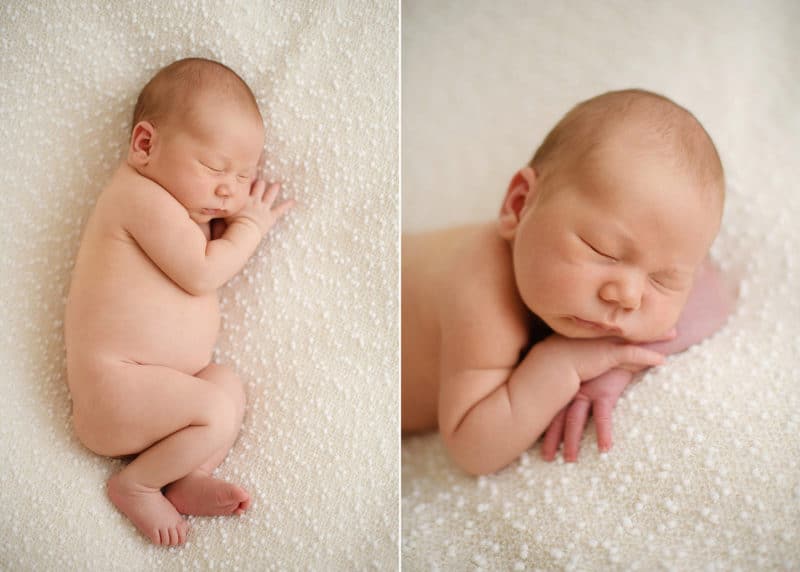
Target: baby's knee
(234, 388)
(229, 383)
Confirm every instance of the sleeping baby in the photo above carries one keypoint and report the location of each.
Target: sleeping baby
(596, 267)
(180, 216)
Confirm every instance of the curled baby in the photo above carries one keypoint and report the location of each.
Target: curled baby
(596, 268)
(181, 215)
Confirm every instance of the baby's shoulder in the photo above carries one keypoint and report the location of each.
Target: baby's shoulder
(482, 307)
(134, 196)
(128, 186)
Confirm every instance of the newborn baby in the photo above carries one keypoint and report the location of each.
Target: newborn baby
(142, 314)
(596, 267)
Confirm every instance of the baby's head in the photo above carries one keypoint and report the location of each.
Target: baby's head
(197, 132)
(614, 215)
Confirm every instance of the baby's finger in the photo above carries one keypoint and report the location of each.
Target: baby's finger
(630, 354)
(577, 414)
(552, 438)
(258, 188)
(601, 411)
(283, 208)
(271, 194)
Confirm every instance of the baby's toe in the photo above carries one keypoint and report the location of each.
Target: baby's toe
(183, 530)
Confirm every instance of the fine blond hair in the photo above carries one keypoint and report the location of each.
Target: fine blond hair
(175, 89)
(661, 126)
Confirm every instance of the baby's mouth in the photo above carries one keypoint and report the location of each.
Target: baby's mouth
(597, 326)
(214, 212)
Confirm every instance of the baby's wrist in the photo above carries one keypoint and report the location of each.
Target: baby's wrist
(249, 222)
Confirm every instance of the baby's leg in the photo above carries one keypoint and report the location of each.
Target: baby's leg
(183, 421)
(198, 492)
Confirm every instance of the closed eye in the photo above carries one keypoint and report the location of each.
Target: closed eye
(210, 168)
(668, 282)
(601, 253)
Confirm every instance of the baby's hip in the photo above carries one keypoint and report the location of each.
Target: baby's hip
(115, 400)
(103, 380)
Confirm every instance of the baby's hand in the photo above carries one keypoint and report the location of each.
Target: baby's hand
(599, 395)
(589, 358)
(258, 208)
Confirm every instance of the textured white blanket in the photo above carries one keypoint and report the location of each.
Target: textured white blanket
(704, 471)
(311, 323)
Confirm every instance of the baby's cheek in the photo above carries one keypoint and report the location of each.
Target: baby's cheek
(663, 319)
(241, 201)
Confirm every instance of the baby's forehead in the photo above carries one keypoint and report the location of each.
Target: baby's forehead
(231, 133)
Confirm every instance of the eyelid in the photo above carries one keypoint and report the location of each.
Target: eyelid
(603, 254)
(210, 168)
(668, 283)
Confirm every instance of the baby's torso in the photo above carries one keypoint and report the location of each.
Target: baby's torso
(122, 307)
(441, 272)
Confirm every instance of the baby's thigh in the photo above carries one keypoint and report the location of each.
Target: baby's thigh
(134, 406)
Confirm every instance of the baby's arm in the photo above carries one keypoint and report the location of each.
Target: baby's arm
(489, 415)
(162, 228)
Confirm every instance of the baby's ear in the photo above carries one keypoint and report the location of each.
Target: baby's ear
(511, 212)
(141, 143)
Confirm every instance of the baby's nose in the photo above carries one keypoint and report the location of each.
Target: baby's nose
(630, 299)
(625, 292)
(223, 191)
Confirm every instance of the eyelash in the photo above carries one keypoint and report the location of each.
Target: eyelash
(242, 178)
(603, 254)
(657, 282)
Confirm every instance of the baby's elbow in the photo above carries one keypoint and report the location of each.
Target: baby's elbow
(198, 285)
(467, 457)
(477, 469)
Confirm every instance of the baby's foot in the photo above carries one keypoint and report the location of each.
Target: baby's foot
(201, 494)
(152, 514)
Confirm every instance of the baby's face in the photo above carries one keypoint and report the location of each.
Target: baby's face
(613, 252)
(209, 163)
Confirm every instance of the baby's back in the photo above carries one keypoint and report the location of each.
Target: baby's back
(121, 306)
